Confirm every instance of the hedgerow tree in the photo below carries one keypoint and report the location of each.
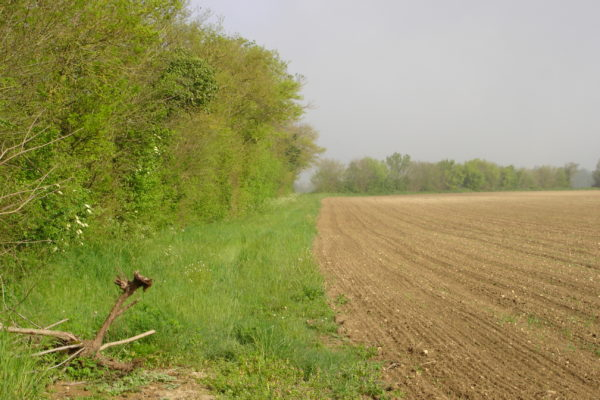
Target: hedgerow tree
(398, 165)
(372, 176)
(329, 176)
(366, 175)
(596, 175)
(126, 113)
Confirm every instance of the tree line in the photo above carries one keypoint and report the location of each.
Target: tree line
(399, 173)
(125, 115)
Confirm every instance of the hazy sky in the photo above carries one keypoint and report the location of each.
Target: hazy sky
(511, 81)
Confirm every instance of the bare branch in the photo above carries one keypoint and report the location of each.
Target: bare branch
(54, 350)
(57, 323)
(125, 308)
(128, 288)
(78, 352)
(24, 318)
(124, 341)
(23, 151)
(13, 308)
(31, 197)
(92, 348)
(26, 138)
(64, 336)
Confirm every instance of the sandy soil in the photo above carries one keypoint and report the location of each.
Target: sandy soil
(471, 296)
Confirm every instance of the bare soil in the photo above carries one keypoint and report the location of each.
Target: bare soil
(471, 296)
(182, 385)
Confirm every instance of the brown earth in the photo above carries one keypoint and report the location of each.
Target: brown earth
(173, 384)
(471, 296)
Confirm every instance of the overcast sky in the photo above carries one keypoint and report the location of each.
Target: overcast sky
(511, 81)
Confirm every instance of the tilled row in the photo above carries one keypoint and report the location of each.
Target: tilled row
(459, 304)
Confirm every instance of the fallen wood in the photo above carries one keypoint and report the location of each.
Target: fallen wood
(128, 288)
(64, 336)
(124, 341)
(92, 348)
(62, 321)
(54, 350)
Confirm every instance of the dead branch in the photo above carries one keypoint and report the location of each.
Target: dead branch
(124, 341)
(68, 360)
(5, 157)
(125, 308)
(62, 348)
(92, 348)
(64, 336)
(62, 321)
(128, 288)
(33, 194)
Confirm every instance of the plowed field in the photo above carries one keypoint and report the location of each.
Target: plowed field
(471, 296)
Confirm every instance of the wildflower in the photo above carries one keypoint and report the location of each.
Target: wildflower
(79, 232)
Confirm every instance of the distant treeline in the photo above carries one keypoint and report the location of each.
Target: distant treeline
(125, 114)
(398, 173)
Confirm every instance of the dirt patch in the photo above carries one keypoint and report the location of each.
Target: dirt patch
(172, 384)
(471, 296)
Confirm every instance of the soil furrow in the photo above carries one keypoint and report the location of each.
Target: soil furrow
(457, 302)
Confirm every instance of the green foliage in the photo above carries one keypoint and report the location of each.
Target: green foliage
(256, 377)
(187, 82)
(366, 175)
(452, 174)
(329, 176)
(474, 175)
(131, 382)
(400, 173)
(147, 116)
(596, 175)
(398, 165)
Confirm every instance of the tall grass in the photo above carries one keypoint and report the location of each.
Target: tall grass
(243, 298)
(18, 376)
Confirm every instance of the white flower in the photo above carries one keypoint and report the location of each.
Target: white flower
(68, 226)
(59, 192)
(79, 231)
(89, 211)
(87, 206)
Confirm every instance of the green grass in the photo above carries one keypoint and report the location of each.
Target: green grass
(18, 376)
(231, 297)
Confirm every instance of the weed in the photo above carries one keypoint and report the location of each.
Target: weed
(341, 299)
(534, 321)
(84, 369)
(132, 382)
(508, 319)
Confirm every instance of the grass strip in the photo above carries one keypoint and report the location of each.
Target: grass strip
(243, 299)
